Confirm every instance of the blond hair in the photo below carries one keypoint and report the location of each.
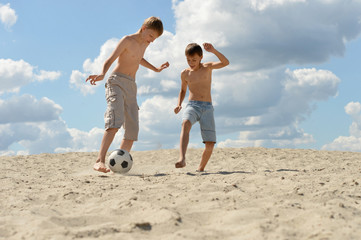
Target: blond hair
(154, 23)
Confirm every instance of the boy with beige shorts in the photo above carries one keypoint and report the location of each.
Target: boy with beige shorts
(121, 89)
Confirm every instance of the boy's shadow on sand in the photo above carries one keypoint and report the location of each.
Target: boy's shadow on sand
(241, 172)
(198, 173)
(218, 173)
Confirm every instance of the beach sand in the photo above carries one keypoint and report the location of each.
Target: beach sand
(246, 193)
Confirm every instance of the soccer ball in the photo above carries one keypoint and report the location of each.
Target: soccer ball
(120, 161)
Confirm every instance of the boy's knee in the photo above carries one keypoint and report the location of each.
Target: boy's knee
(112, 130)
(186, 124)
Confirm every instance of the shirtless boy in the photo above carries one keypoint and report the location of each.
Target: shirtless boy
(121, 89)
(198, 78)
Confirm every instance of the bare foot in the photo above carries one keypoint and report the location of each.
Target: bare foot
(100, 167)
(200, 170)
(180, 164)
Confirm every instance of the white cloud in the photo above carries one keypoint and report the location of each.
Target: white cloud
(7, 15)
(50, 136)
(159, 125)
(77, 78)
(15, 74)
(95, 66)
(13, 133)
(31, 123)
(352, 142)
(77, 81)
(353, 109)
(261, 5)
(294, 33)
(82, 141)
(28, 109)
(47, 75)
(273, 120)
(168, 85)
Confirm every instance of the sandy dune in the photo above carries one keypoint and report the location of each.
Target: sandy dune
(248, 193)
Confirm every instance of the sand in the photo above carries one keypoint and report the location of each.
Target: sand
(246, 193)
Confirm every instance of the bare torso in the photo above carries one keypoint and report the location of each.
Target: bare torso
(199, 83)
(129, 59)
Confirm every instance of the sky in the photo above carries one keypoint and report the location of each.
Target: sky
(293, 79)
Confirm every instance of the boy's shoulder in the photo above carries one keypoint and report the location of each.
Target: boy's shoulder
(186, 70)
(207, 65)
(185, 74)
(128, 38)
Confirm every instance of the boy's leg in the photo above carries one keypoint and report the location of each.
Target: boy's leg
(206, 155)
(126, 144)
(106, 141)
(183, 144)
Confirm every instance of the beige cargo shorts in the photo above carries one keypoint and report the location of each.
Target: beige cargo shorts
(122, 106)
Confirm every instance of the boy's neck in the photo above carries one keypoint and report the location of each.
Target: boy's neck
(197, 68)
(138, 37)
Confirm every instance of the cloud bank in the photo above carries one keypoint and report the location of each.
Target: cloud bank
(259, 100)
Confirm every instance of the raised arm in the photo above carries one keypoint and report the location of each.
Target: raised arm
(223, 61)
(122, 45)
(182, 93)
(146, 64)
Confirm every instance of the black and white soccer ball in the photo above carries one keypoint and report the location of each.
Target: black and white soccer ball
(120, 161)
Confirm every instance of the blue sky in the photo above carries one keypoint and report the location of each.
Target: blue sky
(293, 81)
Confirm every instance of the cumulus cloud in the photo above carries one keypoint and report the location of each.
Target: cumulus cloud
(284, 32)
(261, 5)
(15, 74)
(82, 141)
(352, 142)
(27, 108)
(50, 136)
(23, 116)
(13, 133)
(156, 117)
(7, 15)
(78, 77)
(273, 120)
(33, 124)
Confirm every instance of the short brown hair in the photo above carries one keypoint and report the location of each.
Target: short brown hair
(194, 48)
(154, 23)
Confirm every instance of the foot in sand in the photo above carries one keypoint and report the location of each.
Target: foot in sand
(100, 167)
(181, 163)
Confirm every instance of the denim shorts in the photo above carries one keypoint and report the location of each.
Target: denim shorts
(203, 112)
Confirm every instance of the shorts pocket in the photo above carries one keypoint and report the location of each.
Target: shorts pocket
(109, 118)
(110, 94)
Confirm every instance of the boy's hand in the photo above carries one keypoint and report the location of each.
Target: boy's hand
(177, 109)
(208, 47)
(163, 66)
(94, 78)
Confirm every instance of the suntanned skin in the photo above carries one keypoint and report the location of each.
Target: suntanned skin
(129, 51)
(198, 78)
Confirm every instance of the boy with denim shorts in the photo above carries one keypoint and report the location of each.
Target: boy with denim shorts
(121, 89)
(198, 78)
